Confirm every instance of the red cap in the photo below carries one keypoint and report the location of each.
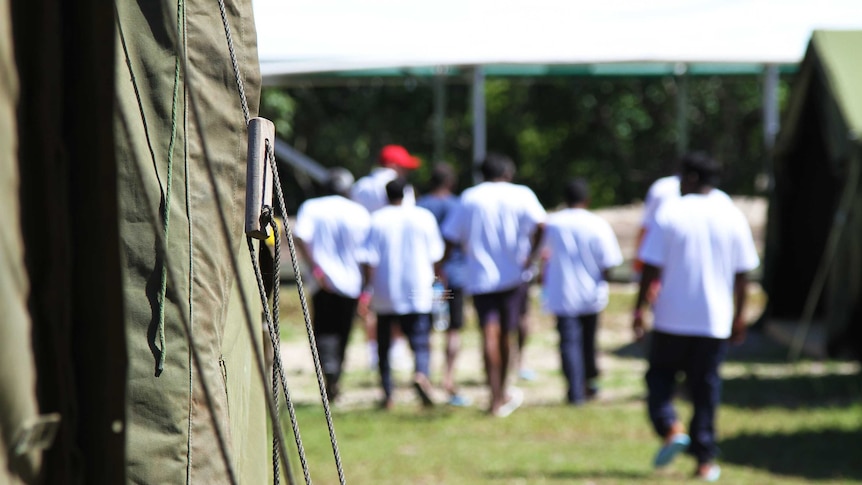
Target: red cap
(397, 155)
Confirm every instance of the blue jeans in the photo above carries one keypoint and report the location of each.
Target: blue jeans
(417, 329)
(699, 359)
(577, 354)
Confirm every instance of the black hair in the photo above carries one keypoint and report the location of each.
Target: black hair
(443, 175)
(576, 191)
(703, 166)
(496, 166)
(395, 190)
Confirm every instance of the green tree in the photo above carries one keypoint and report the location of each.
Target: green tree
(619, 133)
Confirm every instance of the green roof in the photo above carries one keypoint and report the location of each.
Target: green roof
(839, 53)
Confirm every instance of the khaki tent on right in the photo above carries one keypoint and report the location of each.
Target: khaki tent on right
(813, 263)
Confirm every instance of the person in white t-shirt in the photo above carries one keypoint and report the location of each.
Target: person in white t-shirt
(330, 231)
(580, 248)
(489, 225)
(700, 247)
(395, 162)
(399, 255)
(662, 190)
(370, 191)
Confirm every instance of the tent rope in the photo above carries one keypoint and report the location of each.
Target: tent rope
(298, 276)
(166, 215)
(277, 368)
(276, 332)
(306, 316)
(196, 117)
(239, 84)
(305, 311)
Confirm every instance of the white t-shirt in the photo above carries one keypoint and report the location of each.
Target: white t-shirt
(403, 244)
(700, 242)
(490, 224)
(664, 189)
(661, 190)
(370, 190)
(334, 228)
(580, 247)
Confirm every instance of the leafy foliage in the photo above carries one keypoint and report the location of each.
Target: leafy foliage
(619, 133)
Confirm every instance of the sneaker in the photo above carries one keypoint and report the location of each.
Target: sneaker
(708, 472)
(526, 374)
(423, 389)
(592, 391)
(672, 447)
(516, 398)
(460, 400)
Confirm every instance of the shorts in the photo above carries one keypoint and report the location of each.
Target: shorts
(503, 307)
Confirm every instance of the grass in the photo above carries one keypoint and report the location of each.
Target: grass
(781, 423)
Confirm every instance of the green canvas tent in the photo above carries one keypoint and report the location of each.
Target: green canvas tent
(813, 264)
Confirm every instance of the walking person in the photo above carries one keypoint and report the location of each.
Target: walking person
(580, 248)
(394, 162)
(399, 255)
(330, 231)
(489, 225)
(700, 247)
(441, 201)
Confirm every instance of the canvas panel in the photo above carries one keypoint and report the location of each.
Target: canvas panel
(171, 436)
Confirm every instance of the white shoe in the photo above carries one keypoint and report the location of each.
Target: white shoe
(516, 398)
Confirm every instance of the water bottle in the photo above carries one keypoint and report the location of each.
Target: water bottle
(440, 307)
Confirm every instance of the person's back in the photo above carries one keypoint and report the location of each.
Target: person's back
(491, 224)
(582, 246)
(334, 228)
(395, 162)
(406, 243)
(492, 221)
(441, 206)
(399, 255)
(703, 247)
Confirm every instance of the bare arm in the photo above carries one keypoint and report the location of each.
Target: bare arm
(438, 266)
(365, 296)
(740, 297)
(648, 277)
(535, 239)
(318, 274)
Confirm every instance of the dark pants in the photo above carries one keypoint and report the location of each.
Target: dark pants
(589, 325)
(699, 359)
(578, 353)
(456, 308)
(417, 328)
(333, 319)
(503, 307)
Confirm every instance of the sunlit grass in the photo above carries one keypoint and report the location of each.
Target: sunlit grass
(780, 423)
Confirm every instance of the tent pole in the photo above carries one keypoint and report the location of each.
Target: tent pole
(681, 79)
(479, 125)
(771, 123)
(439, 93)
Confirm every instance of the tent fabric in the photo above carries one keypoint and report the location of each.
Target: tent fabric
(815, 214)
(314, 36)
(171, 437)
(833, 50)
(17, 367)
